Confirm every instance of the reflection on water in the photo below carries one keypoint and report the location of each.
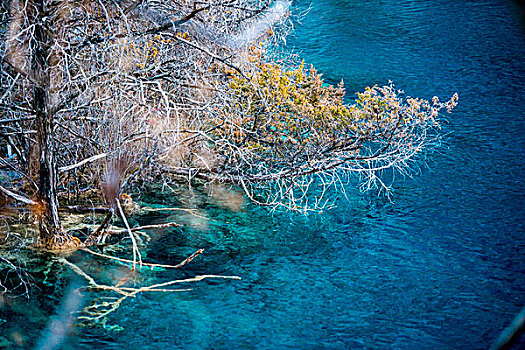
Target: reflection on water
(440, 267)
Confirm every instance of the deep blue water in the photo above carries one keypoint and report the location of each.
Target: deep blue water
(440, 266)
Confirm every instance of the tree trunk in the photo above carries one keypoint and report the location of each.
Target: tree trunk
(43, 162)
(48, 221)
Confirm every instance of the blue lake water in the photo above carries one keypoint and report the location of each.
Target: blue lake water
(440, 266)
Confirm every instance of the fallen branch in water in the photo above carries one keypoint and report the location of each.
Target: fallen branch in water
(193, 279)
(145, 227)
(99, 311)
(182, 263)
(102, 307)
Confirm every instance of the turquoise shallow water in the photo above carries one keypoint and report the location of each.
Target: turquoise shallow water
(442, 266)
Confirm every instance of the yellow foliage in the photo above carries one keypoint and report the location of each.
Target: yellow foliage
(279, 112)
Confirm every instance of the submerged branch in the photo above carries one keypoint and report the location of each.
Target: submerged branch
(145, 227)
(184, 262)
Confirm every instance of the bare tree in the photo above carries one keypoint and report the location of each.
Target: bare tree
(108, 93)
